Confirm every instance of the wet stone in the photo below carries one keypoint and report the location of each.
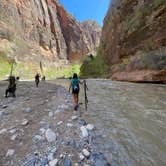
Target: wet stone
(84, 131)
(44, 162)
(25, 122)
(53, 162)
(28, 110)
(10, 152)
(50, 135)
(99, 159)
(3, 131)
(72, 143)
(67, 162)
(4, 106)
(85, 152)
(82, 122)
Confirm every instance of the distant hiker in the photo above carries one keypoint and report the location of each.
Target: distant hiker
(43, 78)
(12, 86)
(75, 81)
(37, 79)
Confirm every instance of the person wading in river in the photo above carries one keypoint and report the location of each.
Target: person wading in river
(12, 87)
(75, 81)
(37, 79)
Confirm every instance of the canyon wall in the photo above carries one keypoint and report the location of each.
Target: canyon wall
(35, 30)
(134, 40)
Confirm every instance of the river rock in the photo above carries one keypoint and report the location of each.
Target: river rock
(25, 122)
(13, 137)
(1, 114)
(99, 159)
(51, 114)
(53, 162)
(69, 125)
(12, 131)
(50, 135)
(42, 130)
(90, 127)
(81, 156)
(10, 152)
(52, 155)
(67, 162)
(3, 131)
(84, 131)
(82, 122)
(72, 143)
(59, 123)
(44, 162)
(85, 152)
(38, 138)
(28, 110)
(4, 106)
(74, 117)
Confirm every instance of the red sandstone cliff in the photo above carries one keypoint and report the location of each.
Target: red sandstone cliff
(134, 40)
(42, 29)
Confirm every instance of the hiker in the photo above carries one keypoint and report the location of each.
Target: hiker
(75, 81)
(43, 78)
(37, 79)
(12, 86)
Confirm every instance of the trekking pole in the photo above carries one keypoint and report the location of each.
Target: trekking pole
(85, 92)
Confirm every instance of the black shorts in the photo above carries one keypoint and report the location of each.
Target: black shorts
(75, 91)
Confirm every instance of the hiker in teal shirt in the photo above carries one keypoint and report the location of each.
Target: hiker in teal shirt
(75, 81)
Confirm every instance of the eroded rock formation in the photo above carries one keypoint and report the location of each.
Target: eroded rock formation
(134, 40)
(42, 29)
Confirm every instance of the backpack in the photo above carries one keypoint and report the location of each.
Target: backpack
(75, 85)
(75, 88)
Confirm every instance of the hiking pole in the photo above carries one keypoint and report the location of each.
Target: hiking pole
(86, 98)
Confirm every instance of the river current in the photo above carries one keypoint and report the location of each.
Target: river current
(130, 121)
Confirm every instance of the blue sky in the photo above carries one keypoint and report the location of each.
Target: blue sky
(87, 9)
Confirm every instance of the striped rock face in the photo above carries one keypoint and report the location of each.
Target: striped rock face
(45, 30)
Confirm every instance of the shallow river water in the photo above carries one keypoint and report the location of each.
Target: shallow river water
(130, 120)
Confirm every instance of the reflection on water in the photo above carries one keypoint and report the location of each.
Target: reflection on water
(130, 120)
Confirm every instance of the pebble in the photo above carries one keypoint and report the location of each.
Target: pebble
(74, 117)
(4, 106)
(10, 152)
(84, 131)
(67, 163)
(1, 114)
(50, 135)
(85, 152)
(25, 122)
(3, 131)
(59, 123)
(81, 156)
(13, 137)
(44, 162)
(99, 159)
(53, 162)
(42, 130)
(12, 131)
(82, 122)
(38, 138)
(51, 156)
(90, 127)
(69, 125)
(61, 156)
(28, 110)
(51, 114)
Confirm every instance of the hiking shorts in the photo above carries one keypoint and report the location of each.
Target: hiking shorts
(75, 91)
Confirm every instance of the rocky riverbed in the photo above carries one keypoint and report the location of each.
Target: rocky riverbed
(39, 127)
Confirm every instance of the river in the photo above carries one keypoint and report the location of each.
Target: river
(130, 120)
